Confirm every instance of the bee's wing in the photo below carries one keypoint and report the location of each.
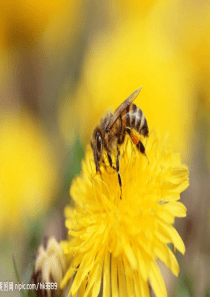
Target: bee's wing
(122, 107)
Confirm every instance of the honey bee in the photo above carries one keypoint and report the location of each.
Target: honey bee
(111, 131)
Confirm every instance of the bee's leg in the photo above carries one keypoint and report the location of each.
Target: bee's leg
(141, 147)
(118, 172)
(110, 160)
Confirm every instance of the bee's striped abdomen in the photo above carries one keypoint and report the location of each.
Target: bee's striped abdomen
(133, 117)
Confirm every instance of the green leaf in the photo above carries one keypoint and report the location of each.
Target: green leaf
(17, 274)
(185, 286)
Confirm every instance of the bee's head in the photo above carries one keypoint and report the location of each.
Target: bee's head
(97, 146)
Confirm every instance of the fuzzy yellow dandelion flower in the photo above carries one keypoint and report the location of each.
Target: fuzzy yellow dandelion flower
(115, 243)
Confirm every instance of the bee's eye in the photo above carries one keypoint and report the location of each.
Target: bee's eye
(99, 142)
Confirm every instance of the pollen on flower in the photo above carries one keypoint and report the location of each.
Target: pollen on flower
(114, 243)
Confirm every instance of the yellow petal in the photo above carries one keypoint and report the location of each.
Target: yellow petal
(142, 265)
(129, 278)
(156, 281)
(137, 283)
(130, 256)
(97, 283)
(79, 278)
(171, 233)
(106, 276)
(163, 253)
(82, 289)
(177, 209)
(122, 279)
(114, 277)
(144, 288)
(67, 277)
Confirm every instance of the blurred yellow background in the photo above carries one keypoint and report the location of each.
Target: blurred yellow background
(63, 64)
